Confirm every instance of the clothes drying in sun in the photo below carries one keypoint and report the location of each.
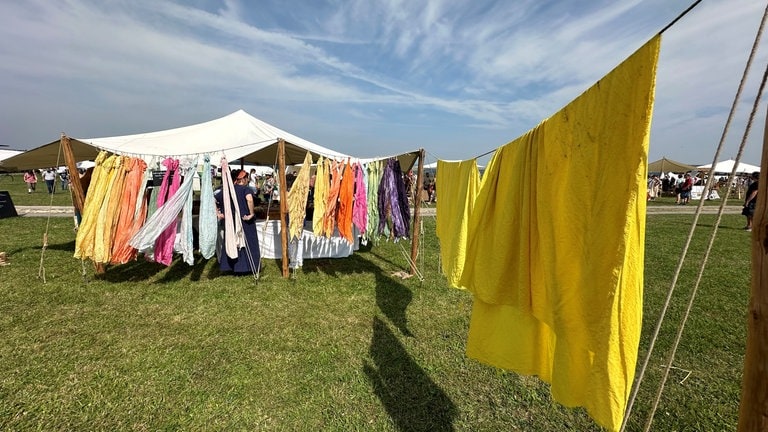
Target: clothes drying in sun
(332, 201)
(163, 252)
(128, 222)
(360, 210)
(346, 197)
(322, 181)
(561, 296)
(297, 199)
(460, 182)
(208, 224)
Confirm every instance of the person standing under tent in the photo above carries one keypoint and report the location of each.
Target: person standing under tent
(253, 181)
(64, 177)
(249, 256)
(685, 189)
(266, 189)
(750, 201)
(678, 191)
(30, 178)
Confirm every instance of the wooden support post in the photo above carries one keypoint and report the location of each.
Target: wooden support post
(416, 231)
(283, 203)
(753, 411)
(76, 187)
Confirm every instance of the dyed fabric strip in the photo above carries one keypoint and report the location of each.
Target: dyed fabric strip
(297, 199)
(373, 170)
(390, 201)
(322, 181)
(134, 186)
(208, 224)
(460, 182)
(360, 209)
(92, 206)
(332, 202)
(185, 243)
(163, 253)
(346, 197)
(233, 224)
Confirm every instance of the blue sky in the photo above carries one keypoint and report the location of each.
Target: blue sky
(367, 78)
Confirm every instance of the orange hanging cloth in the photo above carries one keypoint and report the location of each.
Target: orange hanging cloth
(122, 251)
(346, 195)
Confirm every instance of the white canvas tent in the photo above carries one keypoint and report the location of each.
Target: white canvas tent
(237, 136)
(726, 166)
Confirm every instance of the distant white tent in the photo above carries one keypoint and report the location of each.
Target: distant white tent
(5, 154)
(726, 166)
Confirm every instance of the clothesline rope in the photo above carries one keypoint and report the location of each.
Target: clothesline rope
(706, 255)
(681, 260)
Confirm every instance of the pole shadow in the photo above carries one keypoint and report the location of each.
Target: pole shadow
(413, 401)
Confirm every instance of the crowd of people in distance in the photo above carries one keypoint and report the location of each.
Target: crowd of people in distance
(681, 185)
(50, 176)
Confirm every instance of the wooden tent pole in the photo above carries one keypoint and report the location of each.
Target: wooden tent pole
(76, 186)
(753, 411)
(283, 204)
(417, 214)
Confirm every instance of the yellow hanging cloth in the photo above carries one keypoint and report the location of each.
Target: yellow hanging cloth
(332, 200)
(84, 241)
(556, 244)
(460, 181)
(321, 195)
(297, 199)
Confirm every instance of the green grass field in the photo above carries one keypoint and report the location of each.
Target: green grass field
(343, 345)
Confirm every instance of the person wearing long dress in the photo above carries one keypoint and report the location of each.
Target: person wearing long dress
(249, 255)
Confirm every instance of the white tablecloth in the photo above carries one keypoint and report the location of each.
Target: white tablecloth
(312, 246)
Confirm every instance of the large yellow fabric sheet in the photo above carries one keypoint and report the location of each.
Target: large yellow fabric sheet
(459, 183)
(555, 251)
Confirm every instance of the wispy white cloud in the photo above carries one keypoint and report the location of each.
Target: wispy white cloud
(468, 66)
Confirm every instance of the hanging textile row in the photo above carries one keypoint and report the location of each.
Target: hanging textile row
(126, 214)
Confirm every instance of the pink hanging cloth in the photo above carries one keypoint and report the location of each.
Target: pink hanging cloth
(360, 209)
(171, 182)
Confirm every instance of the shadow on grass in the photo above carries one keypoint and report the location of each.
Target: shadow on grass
(412, 400)
(142, 270)
(392, 297)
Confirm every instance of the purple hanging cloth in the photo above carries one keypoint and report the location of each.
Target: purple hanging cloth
(402, 197)
(389, 199)
(171, 181)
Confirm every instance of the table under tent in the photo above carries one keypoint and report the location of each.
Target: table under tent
(132, 185)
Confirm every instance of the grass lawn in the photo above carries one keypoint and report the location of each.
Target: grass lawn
(343, 345)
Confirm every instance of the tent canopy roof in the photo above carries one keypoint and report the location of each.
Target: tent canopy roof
(237, 136)
(665, 165)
